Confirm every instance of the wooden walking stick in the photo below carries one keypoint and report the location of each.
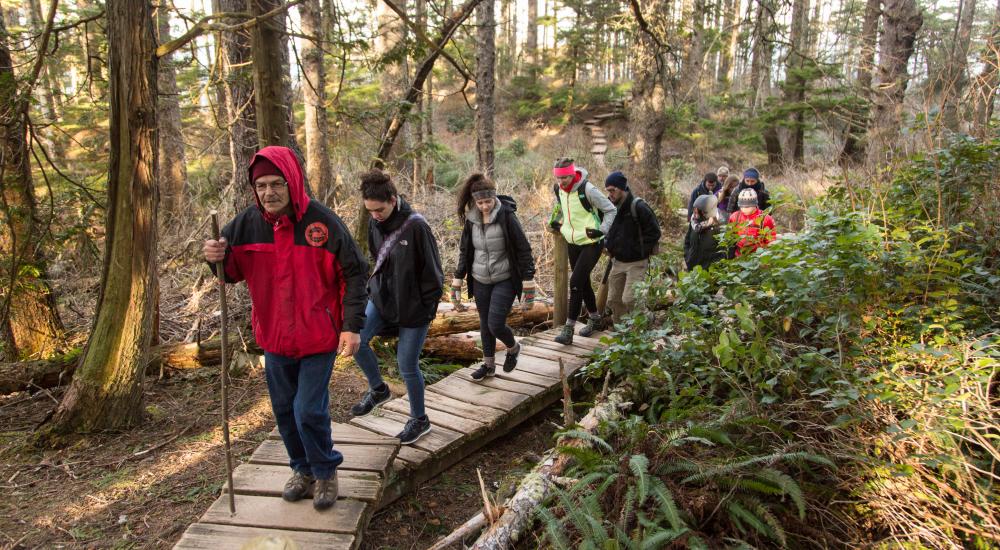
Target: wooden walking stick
(220, 271)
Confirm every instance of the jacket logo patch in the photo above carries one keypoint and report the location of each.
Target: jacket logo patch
(317, 234)
(403, 242)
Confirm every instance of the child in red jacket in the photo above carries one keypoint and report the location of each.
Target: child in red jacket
(755, 228)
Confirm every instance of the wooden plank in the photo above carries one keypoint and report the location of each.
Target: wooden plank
(459, 424)
(589, 342)
(412, 456)
(269, 480)
(370, 458)
(527, 377)
(570, 349)
(277, 513)
(571, 361)
(483, 413)
(393, 422)
(538, 366)
(477, 394)
(210, 536)
(346, 434)
(599, 149)
(499, 383)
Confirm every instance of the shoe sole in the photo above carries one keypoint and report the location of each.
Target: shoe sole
(418, 436)
(382, 402)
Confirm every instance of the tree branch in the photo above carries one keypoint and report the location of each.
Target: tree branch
(427, 40)
(206, 25)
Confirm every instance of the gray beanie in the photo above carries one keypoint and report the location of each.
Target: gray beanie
(748, 197)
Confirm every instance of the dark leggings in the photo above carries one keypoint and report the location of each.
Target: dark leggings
(494, 303)
(582, 260)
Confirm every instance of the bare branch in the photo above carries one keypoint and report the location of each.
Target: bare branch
(206, 25)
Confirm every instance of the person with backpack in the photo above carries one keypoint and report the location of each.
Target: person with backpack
(494, 256)
(751, 180)
(701, 243)
(631, 240)
(404, 288)
(709, 185)
(582, 215)
(754, 227)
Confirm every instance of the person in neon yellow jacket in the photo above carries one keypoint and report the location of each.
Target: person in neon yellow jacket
(582, 215)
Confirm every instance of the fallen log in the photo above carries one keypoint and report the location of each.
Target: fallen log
(452, 321)
(538, 485)
(464, 346)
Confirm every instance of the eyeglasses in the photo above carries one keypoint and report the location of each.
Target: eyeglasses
(273, 186)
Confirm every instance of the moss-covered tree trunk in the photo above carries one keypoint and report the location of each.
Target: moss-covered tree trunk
(106, 392)
(29, 322)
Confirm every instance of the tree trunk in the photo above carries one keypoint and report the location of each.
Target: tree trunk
(234, 52)
(318, 169)
(901, 22)
(465, 346)
(271, 80)
(854, 147)
(954, 77)
(51, 92)
(795, 81)
(388, 42)
(646, 120)
(451, 321)
(730, 35)
(485, 69)
(106, 392)
(29, 321)
(531, 37)
(172, 169)
(985, 88)
(92, 48)
(418, 128)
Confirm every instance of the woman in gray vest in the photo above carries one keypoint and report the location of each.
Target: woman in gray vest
(495, 259)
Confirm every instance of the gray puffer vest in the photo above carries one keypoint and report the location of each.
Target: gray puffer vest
(490, 264)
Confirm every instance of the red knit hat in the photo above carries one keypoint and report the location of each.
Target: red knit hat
(263, 167)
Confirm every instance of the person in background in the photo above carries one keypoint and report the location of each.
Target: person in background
(582, 215)
(632, 239)
(751, 180)
(495, 257)
(728, 188)
(701, 243)
(723, 173)
(403, 292)
(709, 186)
(755, 228)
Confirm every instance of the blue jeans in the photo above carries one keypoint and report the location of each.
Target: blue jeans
(300, 399)
(411, 341)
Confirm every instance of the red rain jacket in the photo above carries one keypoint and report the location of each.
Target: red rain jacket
(755, 230)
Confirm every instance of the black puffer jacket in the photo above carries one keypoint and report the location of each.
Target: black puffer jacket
(406, 290)
(622, 240)
(701, 246)
(522, 263)
(763, 197)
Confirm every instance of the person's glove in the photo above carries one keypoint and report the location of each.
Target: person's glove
(555, 225)
(528, 294)
(456, 292)
(594, 233)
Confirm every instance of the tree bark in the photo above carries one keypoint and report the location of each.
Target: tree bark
(985, 88)
(955, 77)
(29, 321)
(241, 123)
(485, 84)
(795, 81)
(531, 37)
(646, 120)
(318, 168)
(901, 22)
(464, 346)
(271, 79)
(418, 128)
(172, 169)
(106, 392)
(854, 146)
(451, 321)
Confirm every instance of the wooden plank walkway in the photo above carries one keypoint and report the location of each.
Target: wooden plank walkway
(466, 415)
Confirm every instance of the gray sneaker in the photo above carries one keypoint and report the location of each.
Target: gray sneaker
(297, 487)
(325, 493)
(566, 336)
(592, 323)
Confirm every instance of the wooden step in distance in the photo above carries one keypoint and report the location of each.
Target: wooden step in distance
(368, 458)
(591, 122)
(599, 150)
(209, 536)
(605, 116)
(269, 480)
(392, 422)
(277, 513)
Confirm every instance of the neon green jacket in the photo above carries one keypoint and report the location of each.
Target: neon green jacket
(575, 218)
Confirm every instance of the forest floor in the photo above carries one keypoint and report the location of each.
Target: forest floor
(142, 488)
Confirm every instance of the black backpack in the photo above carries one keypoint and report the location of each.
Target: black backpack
(581, 193)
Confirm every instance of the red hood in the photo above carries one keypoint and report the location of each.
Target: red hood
(288, 163)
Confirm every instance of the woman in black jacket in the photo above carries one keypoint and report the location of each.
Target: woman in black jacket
(495, 258)
(701, 244)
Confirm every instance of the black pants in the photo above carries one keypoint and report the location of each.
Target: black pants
(494, 303)
(582, 259)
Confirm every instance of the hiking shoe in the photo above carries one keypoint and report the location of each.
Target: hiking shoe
(592, 323)
(415, 429)
(325, 493)
(297, 487)
(510, 360)
(370, 400)
(566, 336)
(483, 371)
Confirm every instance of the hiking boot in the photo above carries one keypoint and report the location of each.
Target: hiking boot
(370, 400)
(325, 493)
(297, 487)
(510, 360)
(483, 371)
(592, 323)
(565, 337)
(415, 429)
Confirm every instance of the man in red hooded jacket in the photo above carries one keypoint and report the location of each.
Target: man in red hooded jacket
(307, 281)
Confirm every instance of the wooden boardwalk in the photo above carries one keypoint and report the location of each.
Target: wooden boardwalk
(466, 415)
